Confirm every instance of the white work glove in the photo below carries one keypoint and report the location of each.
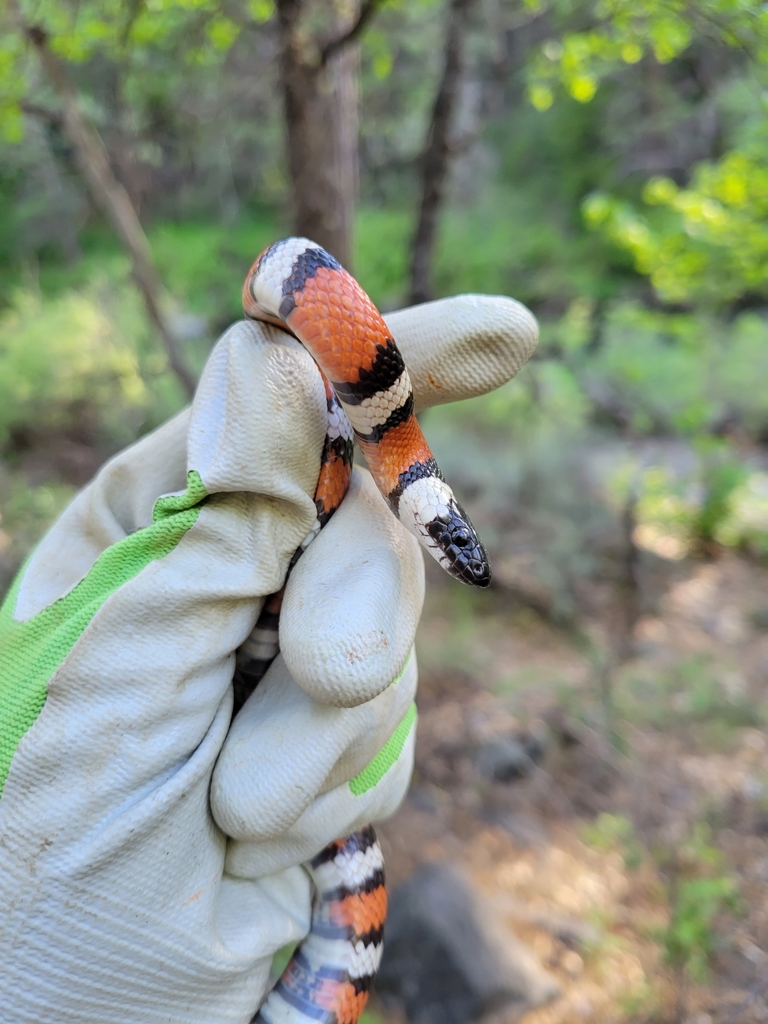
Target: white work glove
(122, 899)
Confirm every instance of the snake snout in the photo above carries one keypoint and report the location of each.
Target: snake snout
(459, 550)
(471, 566)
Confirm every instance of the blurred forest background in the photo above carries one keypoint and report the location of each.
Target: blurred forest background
(591, 747)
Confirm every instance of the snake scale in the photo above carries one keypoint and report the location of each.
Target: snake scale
(298, 286)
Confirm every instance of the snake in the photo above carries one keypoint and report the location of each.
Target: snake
(298, 286)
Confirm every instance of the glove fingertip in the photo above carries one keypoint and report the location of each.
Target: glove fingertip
(464, 346)
(353, 602)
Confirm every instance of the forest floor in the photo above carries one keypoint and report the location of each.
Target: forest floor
(633, 858)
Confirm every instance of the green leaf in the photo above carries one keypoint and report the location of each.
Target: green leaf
(222, 32)
(261, 10)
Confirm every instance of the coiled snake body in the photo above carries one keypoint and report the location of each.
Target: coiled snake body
(300, 287)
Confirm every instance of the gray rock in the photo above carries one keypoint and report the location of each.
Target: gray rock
(448, 961)
(535, 745)
(422, 799)
(504, 760)
(524, 829)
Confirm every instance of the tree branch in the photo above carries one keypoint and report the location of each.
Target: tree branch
(436, 159)
(367, 10)
(134, 10)
(53, 117)
(109, 194)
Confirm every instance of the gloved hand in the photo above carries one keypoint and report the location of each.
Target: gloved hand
(121, 897)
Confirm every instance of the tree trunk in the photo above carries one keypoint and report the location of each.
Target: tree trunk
(436, 159)
(321, 115)
(113, 199)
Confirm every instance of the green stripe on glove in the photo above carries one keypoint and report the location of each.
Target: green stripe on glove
(31, 651)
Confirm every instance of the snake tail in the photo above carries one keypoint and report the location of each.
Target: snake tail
(299, 285)
(329, 976)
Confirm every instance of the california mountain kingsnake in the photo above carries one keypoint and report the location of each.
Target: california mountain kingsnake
(298, 286)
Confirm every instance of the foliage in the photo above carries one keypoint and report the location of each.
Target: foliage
(711, 244)
(80, 373)
(719, 499)
(700, 889)
(706, 242)
(745, 520)
(607, 831)
(671, 373)
(64, 360)
(26, 512)
(665, 515)
(625, 31)
(78, 32)
(691, 695)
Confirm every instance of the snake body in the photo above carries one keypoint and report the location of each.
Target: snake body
(300, 287)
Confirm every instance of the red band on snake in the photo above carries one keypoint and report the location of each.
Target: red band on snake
(300, 287)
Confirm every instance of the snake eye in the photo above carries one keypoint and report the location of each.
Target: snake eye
(461, 538)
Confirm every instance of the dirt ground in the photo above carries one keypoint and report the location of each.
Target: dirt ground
(632, 858)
